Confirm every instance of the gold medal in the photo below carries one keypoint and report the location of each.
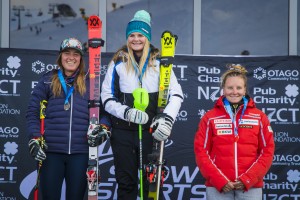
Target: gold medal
(67, 106)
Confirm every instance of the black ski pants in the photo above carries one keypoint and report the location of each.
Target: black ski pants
(125, 147)
(56, 168)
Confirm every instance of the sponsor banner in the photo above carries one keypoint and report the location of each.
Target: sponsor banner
(273, 83)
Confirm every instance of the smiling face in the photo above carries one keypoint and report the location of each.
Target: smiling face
(136, 42)
(70, 59)
(234, 89)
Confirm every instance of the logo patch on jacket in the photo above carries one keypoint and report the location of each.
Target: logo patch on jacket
(224, 132)
(270, 129)
(222, 121)
(249, 121)
(245, 126)
(223, 126)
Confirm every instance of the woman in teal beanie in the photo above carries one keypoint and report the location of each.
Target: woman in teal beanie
(135, 65)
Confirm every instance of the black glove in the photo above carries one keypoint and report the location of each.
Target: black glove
(161, 126)
(36, 149)
(97, 134)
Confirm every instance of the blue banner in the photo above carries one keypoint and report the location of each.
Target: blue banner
(273, 83)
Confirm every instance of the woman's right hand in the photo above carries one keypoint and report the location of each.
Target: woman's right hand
(228, 187)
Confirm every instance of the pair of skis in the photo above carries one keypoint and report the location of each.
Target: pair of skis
(155, 170)
(94, 42)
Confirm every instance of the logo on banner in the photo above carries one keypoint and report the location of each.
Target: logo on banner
(260, 95)
(285, 138)
(292, 90)
(181, 75)
(206, 74)
(288, 188)
(13, 64)
(277, 74)
(260, 73)
(201, 113)
(293, 176)
(39, 67)
(207, 92)
(286, 160)
(9, 87)
(282, 115)
(6, 110)
(6, 161)
(9, 132)
(103, 69)
(182, 115)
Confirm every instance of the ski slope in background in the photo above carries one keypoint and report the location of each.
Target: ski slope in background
(227, 29)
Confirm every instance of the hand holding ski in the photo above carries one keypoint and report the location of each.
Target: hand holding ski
(37, 148)
(97, 134)
(161, 127)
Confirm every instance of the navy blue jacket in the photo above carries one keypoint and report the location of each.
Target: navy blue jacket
(65, 131)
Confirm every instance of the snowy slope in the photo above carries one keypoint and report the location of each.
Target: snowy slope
(226, 28)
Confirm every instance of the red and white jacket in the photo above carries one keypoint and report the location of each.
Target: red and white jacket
(222, 157)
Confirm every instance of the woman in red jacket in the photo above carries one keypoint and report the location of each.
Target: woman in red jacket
(234, 143)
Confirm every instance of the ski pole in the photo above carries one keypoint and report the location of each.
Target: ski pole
(141, 101)
(42, 143)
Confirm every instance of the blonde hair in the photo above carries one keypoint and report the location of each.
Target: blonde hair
(126, 54)
(234, 70)
(79, 82)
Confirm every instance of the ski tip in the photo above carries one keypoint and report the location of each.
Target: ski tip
(94, 22)
(167, 32)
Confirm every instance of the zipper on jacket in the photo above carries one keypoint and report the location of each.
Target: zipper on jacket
(236, 109)
(70, 126)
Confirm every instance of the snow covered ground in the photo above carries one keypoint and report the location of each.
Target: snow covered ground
(227, 28)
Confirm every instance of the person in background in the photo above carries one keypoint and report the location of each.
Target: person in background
(64, 155)
(234, 143)
(133, 66)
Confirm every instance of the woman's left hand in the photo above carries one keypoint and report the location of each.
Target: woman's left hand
(238, 185)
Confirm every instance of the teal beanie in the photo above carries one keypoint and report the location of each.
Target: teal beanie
(140, 23)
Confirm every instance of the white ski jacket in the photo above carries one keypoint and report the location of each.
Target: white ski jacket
(119, 84)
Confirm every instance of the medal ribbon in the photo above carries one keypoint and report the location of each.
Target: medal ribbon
(64, 85)
(144, 67)
(229, 111)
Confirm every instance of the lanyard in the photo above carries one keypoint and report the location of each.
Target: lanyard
(67, 93)
(143, 69)
(229, 111)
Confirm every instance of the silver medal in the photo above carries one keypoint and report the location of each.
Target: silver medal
(67, 106)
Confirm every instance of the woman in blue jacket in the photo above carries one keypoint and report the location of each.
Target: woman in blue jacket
(65, 155)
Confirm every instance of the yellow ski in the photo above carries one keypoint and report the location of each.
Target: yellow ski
(155, 170)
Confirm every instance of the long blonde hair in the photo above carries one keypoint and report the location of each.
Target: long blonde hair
(79, 82)
(126, 55)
